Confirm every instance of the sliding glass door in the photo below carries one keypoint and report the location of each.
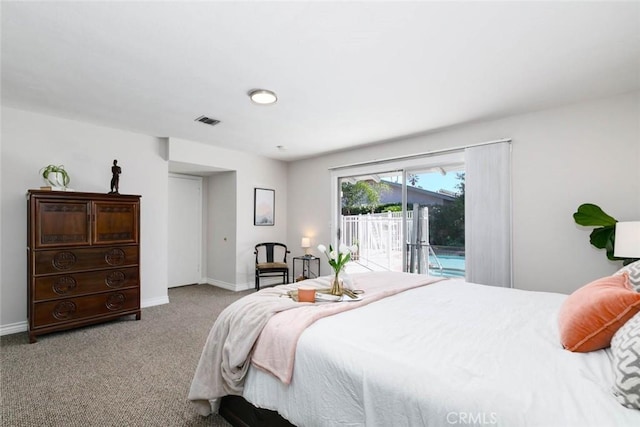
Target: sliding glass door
(457, 227)
(391, 214)
(435, 220)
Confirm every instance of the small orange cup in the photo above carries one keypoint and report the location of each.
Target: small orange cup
(306, 294)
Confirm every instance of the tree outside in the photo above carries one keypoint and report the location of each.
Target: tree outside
(446, 222)
(361, 197)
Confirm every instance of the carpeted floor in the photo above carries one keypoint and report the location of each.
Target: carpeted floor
(120, 373)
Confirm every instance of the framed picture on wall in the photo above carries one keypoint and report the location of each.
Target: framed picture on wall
(264, 201)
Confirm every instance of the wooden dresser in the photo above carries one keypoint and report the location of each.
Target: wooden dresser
(83, 254)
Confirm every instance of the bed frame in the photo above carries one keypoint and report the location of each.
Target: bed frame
(240, 413)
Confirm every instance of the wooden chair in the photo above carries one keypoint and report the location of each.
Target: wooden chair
(271, 261)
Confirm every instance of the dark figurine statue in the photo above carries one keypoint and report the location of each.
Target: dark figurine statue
(115, 180)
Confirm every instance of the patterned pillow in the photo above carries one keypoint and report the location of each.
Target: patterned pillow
(625, 346)
(634, 274)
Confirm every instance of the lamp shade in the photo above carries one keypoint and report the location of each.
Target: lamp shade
(627, 241)
(305, 243)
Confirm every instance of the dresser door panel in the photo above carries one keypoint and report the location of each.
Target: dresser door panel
(74, 284)
(115, 222)
(62, 223)
(86, 307)
(68, 260)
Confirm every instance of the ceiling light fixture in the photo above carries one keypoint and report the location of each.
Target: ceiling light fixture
(263, 96)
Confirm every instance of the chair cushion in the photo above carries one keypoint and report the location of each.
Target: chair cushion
(271, 265)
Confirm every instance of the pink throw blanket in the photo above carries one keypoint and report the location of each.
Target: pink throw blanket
(275, 348)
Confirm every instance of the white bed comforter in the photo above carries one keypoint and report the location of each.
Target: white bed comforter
(452, 353)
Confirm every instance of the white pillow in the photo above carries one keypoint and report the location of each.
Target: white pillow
(634, 274)
(625, 347)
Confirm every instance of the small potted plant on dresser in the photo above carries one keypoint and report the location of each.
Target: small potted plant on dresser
(55, 177)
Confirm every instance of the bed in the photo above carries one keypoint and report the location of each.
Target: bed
(439, 353)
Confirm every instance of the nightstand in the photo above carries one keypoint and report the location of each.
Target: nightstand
(310, 267)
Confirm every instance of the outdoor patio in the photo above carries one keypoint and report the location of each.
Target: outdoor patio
(380, 239)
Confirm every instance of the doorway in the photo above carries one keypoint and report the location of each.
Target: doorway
(185, 230)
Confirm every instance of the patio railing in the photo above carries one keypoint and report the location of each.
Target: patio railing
(378, 236)
(380, 240)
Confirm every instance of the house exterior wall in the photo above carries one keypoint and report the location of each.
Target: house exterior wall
(414, 195)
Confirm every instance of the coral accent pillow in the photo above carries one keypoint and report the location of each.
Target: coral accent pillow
(590, 316)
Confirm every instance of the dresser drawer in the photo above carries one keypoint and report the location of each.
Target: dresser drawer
(86, 307)
(68, 260)
(73, 284)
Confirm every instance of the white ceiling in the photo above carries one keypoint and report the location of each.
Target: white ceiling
(346, 73)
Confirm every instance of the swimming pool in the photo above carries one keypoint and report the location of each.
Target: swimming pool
(452, 266)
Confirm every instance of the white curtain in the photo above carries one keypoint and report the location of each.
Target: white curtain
(488, 214)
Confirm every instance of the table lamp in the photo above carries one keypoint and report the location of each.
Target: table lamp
(305, 244)
(627, 240)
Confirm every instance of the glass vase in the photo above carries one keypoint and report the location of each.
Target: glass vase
(337, 285)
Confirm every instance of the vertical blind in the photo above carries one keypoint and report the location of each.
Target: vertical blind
(488, 214)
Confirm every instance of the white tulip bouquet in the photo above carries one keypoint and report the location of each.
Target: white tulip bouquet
(337, 260)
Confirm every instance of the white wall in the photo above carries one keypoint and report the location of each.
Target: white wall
(31, 141)
(221, 236)
(563, 157)
(251, 171)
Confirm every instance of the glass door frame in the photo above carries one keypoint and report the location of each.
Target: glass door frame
(402, 166)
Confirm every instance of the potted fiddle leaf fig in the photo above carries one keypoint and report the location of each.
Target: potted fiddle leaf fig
(55, 175)
(604, 235)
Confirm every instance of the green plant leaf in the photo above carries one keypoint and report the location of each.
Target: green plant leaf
(602, 237)
(591, 215)
(610, 245)
(599, 237)
(50, 169)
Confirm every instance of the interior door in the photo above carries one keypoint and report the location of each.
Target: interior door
(185, 230)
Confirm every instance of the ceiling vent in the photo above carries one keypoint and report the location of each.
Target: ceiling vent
(207, 121)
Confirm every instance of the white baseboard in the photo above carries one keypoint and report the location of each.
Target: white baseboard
(235, 287)
(13, 328)
(150, 302)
